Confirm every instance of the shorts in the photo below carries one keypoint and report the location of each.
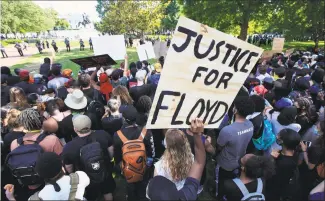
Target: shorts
(93, 191)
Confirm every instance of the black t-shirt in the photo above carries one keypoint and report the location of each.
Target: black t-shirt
(138, 91)
(36, 88)
(131, 83)
(65, 129)
(5, 95)
(12, 80)
(89, 93)
(142, 119)
(112, 124)
(285, 170)
(304, 122)
(45, 69)
(71, 151)
(24, 85)
(132, 133)
(233, 193)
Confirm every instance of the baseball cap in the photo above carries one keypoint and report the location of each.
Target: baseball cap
(268, 80)
(130, 114)
(81, 123)
(23, 73)
(282, 103)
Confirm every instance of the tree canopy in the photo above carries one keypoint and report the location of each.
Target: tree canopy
(25, 16)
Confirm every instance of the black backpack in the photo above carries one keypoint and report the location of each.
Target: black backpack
(93, 162)
(22, 160)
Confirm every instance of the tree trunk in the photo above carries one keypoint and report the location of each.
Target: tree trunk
(245, 21)
(316, 41)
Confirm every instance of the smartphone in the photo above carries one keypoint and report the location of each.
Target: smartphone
(307, 143)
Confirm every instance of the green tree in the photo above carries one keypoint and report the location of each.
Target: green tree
(101, 7)
(62, 24)
(135, 17)
(230, 16)
(172, 13)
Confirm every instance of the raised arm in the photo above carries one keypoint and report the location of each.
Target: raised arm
(197, 128)
(125, 65)
(92, 77)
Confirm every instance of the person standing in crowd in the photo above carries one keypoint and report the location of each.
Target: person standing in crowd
(43, 44)
(167, 189)
(58, 81)
(91, 44)
(47, 44)
(124, 97)
(54, 46)
(284, 184)
(45, 68)
(3, 51)
(90, 89)
(131, 131)
(131, 42)
(232, 143)
(254, 170)
(67, 44)
(93, 150)
(112, 120)
(12, 79)
(5, 97)
(154, 78)
(18, 47)
(39, 46)
(82, 45)
(143, 107)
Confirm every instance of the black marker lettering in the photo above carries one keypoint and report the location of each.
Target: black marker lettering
(197, 72)
(189, 33)
(248, 61)
(208, 109)
(230, 48)
(221, 43)
(215, 112)
(159, 106)
(197, 45)
(200, 101)
(235, 57)
(239, 58)
(178, 108)
(225, 77)
(212, 72)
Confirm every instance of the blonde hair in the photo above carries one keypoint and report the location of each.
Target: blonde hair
(113, 104)
(18, 97)
(124, 95)
(12, 117)
(177, 158)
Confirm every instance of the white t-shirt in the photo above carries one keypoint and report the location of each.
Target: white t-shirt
(48, 192)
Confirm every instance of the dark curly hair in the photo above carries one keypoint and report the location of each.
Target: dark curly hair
(259, 166)
(259, 103)
(144, 104)
(244, 105)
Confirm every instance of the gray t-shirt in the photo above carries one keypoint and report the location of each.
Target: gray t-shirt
(234, 140)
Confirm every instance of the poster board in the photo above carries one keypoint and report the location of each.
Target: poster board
(146, 51)
(289, 52)
(156, 48)
(278, 44)
(268, 54)
(111, 45)
(203, 72)
(94, 61)
(160, 49)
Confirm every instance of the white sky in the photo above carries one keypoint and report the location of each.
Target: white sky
(72, 7)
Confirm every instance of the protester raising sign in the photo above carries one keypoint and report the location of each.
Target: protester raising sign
(278, 44)
(111, 45)
(202, 74)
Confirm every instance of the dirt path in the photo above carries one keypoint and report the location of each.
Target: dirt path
(15, 58)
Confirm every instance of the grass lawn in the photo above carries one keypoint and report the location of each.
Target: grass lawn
(297, 45)
(32, 63)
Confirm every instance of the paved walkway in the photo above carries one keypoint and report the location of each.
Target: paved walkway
(14, 57)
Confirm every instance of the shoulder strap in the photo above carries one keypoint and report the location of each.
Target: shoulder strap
(74, 181)
(121, 136)
(241, 186)
(259, 185)
(143, 134)
(35, 197)
(95, 94)
(41, 137)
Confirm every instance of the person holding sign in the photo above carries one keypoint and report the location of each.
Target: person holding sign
(232, 143)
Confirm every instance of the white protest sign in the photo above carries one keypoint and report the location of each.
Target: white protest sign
(114, 46)
(145, 51)
(278, 44)
(203, 72)
(156, 48)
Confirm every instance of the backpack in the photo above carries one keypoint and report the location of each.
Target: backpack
(267, 138)
(74, 181)
(256, 196)
(22, 160)
(92, 162)
(134, 157)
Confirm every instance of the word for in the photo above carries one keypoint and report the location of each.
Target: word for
(239, 55)
(204, 106)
